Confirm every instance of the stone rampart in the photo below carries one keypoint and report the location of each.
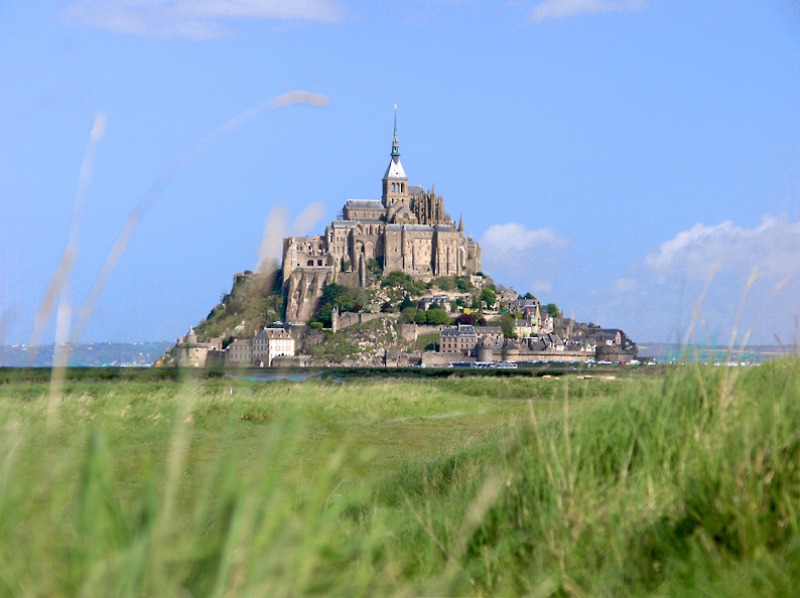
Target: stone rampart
(347, 319)
(411, 332)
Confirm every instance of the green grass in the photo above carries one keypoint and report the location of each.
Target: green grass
(685, 481)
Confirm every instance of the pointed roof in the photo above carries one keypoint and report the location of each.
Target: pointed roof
(395, 169)
(395, 141)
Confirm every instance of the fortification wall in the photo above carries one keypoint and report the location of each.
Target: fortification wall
(614, 353)
(347, 319)
(412, 332)
(432, 359)
(191, 357)
(558, 356)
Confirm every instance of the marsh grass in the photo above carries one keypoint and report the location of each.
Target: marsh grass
(685, 482)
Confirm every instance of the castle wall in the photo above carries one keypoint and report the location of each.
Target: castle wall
(347, 319)
(449, 260)
(304, 252)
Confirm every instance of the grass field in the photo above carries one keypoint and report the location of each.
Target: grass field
(677, 482)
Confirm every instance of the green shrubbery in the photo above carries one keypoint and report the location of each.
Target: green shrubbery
(342, 297)
(404, 282)
(255, 298)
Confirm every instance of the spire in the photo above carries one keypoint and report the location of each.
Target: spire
(395, 142)
(461, 223)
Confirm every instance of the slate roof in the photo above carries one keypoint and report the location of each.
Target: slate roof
(395, 170)
(365, 204)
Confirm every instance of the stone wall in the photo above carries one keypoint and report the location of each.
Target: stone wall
(347, 319)
(411, 332)
(433, 359)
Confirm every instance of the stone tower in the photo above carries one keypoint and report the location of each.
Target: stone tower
(395, 181)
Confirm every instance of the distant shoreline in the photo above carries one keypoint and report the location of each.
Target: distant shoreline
(144, 353)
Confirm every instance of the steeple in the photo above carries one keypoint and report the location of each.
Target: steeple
(395, 141)
(395, 181)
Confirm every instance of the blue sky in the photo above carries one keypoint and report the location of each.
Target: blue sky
(635, 162)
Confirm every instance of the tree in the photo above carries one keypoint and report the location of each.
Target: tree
(553, 311)
(437, 316)
(407, 315)
(387, 307)
(489, 296)
(465, 319)
(509, 325)
(463, 284)
(528, 295)
(325, 313)
(421, 317)
(397, 278)
(406, 303)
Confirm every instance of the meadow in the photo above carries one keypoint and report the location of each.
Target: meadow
(676, 481)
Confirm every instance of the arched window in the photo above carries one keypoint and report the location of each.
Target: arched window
(319, 262)
(310, 263)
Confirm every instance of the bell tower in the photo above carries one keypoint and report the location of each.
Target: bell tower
(395, 181)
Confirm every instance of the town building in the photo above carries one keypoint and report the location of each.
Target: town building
(270, 343)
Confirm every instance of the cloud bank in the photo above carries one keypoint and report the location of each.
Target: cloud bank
(193, 19)
(550, 10)
(712, 283)
(772, 247)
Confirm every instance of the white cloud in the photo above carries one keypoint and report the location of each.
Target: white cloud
(516, 237)
(773, 247)
(712, 283)
(528, 259)
(558, 9)
(193, 19)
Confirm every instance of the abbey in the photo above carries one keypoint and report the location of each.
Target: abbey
(407, 229)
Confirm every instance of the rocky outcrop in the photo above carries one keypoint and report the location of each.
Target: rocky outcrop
(304, 291)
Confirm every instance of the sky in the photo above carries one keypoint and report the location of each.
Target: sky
(635, 162)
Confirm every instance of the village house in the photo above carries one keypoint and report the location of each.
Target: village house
(270, 343)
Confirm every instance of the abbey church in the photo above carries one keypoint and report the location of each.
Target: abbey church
(408, 229)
